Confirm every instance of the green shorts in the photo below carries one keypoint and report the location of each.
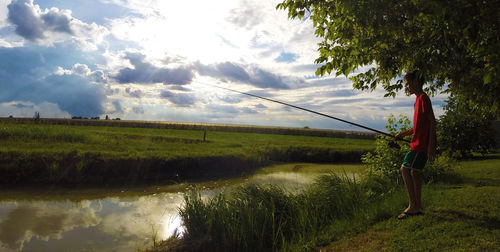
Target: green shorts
(415, 160)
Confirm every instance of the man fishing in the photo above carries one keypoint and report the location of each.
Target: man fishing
(422, 147)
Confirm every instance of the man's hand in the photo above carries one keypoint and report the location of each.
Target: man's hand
(399, 136)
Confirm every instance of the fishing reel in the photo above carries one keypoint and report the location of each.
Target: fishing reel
(393, 142)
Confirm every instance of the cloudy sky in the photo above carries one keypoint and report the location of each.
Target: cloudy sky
(157, 59)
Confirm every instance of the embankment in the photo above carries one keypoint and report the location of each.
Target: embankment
(75, 167)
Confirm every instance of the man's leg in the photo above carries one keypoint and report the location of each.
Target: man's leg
(417, 187)
(410, 188)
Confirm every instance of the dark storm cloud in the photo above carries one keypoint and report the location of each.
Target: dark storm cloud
(255, 76)
(72, 93)
(226, 71)
(31, 25)
(179, 99)
(118, 107)
(136, 93)
(265, 79)
(146, 73)
(28, 24)
(26, 76)
(138, 110)
(56, 21)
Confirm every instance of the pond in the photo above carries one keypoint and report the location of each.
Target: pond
(122, 219)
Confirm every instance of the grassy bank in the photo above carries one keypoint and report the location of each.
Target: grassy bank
(338, 214)
(69, 154)
(457, 217)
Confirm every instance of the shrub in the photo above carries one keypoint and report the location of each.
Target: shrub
(441, 169)
(383, 165)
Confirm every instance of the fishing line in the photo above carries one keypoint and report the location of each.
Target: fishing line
(311, 111)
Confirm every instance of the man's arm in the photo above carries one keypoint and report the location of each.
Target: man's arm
(401, 135)
(431, 149)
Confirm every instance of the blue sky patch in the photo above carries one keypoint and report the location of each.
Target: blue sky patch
(286, 57)
(88, 10)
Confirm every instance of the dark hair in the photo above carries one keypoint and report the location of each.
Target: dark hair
(414, 76)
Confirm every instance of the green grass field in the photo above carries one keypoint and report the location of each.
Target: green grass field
(121, 141)
(461, 216)
(56, 152)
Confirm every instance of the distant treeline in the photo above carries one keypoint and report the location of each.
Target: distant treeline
(199, 126)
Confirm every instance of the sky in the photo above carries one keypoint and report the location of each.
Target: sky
(159, 60)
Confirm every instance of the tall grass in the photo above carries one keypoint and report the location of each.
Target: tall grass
(260, 218)
(270, 218)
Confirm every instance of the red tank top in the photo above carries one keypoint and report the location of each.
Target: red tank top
(421, 124)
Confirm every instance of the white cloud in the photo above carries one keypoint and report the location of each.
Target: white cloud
(251, 32)
(83, 70)
(9, 43)
(52, 25)
(3, 12)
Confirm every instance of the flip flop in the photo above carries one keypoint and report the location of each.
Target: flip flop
(403, 216)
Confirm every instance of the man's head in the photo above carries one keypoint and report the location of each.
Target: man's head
(413, 83)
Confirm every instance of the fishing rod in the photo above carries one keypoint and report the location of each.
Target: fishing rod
(314, 112)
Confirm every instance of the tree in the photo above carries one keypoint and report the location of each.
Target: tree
(454, 44)
(36, 117)
(465, 127)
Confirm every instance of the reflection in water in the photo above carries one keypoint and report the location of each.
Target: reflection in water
(171, 225)
(116, 223)
(110, 224)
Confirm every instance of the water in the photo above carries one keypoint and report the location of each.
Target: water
(120, 219)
